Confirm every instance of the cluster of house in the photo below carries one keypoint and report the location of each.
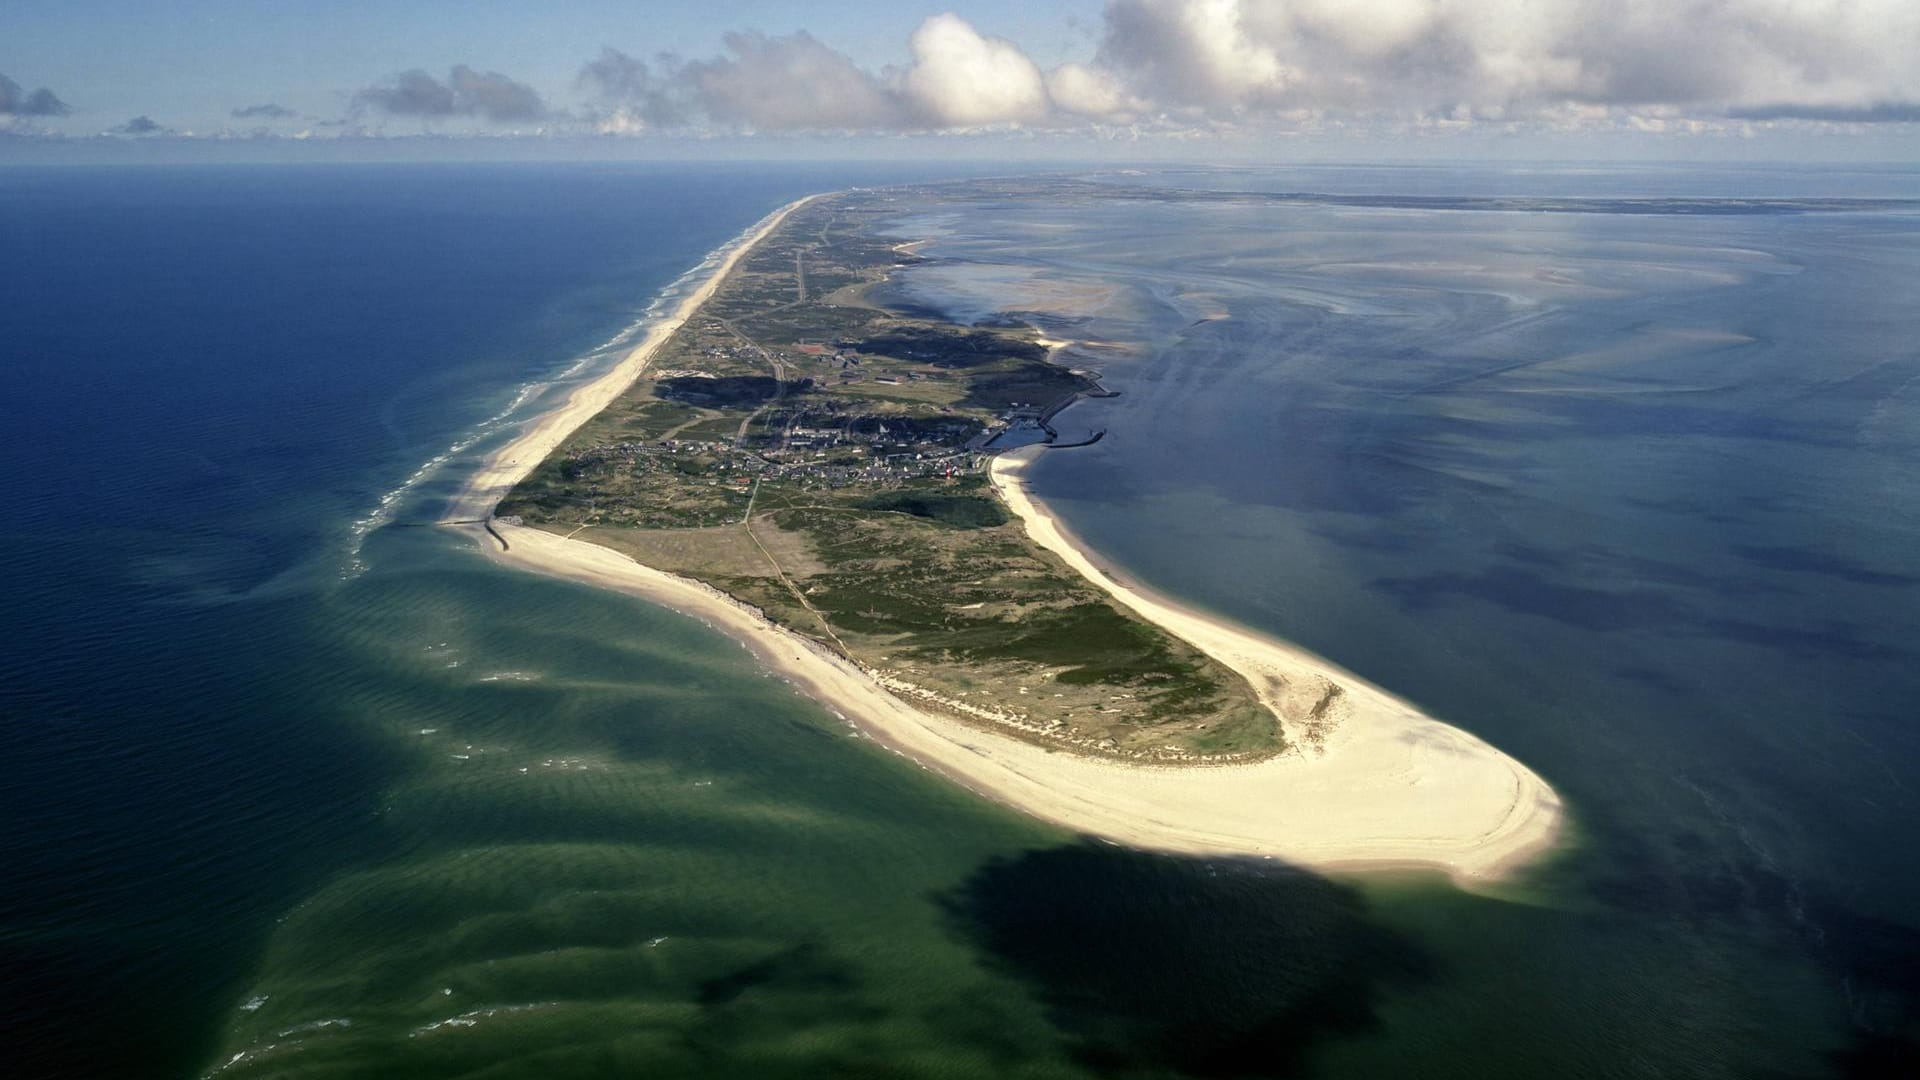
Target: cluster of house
(739, 468)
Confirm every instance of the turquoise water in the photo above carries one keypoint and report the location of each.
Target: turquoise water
(297, 786)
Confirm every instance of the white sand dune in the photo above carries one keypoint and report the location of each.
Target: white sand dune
(1392, 787)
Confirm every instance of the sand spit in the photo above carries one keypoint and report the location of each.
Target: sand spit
(1389, 786)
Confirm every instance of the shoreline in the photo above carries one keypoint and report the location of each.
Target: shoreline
(1392, 788)
(511, 463)
(1380, 736)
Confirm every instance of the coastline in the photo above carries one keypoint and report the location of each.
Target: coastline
(510, 464)
(1389, 787)
(1387, 762)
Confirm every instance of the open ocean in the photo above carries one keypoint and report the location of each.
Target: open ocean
(294, 785)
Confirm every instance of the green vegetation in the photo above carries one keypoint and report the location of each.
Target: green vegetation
(950, 347)
(963, 511)
(820, 458)
(1032, 382)
(727, 392)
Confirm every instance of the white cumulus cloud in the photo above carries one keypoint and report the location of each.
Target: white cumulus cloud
(961, 78)
(1492, 58)
(1194, 64)
(1091, 92)
(787, 83)
(957, 78)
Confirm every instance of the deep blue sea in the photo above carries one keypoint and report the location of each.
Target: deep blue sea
(293, 784)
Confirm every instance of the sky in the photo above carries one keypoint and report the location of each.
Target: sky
(1156, 78)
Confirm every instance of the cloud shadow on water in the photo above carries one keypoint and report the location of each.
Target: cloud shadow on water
(1212, 969)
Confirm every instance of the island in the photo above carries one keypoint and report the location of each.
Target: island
(835, 478)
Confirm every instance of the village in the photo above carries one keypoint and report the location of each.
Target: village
(808, 456)
(809, 431)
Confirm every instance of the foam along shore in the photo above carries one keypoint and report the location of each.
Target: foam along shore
(1392, 787)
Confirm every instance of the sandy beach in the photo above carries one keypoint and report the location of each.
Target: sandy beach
(1387, 786)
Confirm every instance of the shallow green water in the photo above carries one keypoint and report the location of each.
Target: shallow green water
(615, 841)
(615, 845)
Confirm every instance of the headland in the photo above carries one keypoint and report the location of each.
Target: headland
(836, 484)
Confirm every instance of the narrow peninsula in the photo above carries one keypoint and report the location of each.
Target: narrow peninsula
(835, 480)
